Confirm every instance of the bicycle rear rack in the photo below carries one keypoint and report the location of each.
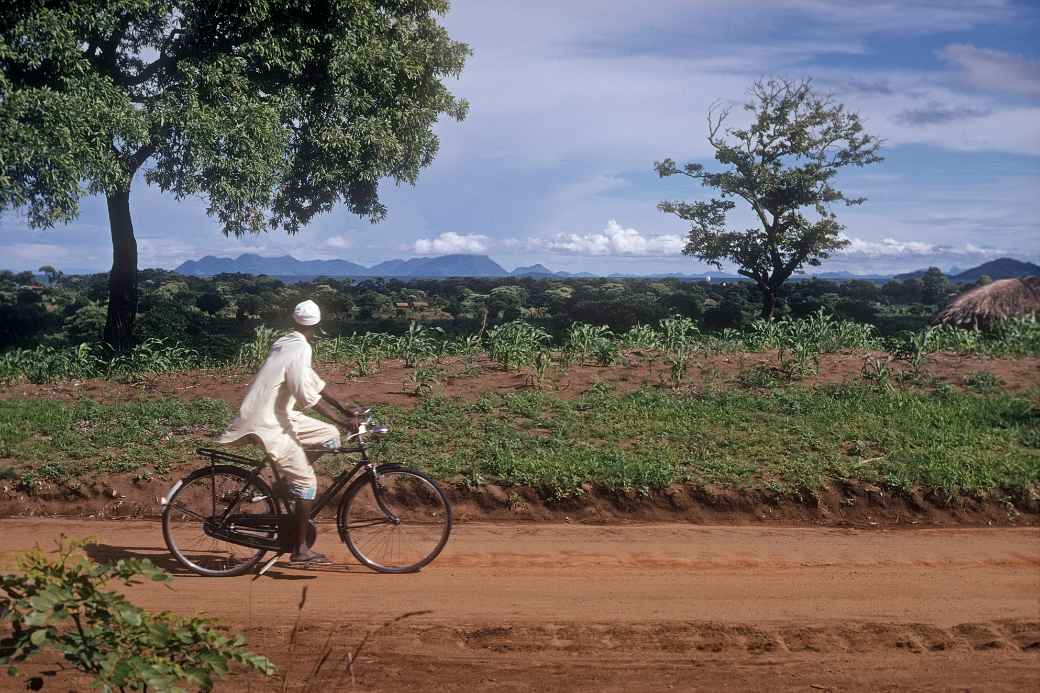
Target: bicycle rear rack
(216, 456)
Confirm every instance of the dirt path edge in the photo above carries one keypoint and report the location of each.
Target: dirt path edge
(850, 503)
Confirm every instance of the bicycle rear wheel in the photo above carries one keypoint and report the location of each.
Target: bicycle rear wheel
(395, 521)
(199, 502)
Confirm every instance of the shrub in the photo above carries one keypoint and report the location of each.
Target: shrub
(641, 337)
(59, 604)
(585, 340)
(516, 343)
(418, 343)
(153, 356)
(87, 323)
(677, 332)
(877, 371)
(46, 364)
(819, 332)
(983, 382)
(254, 352)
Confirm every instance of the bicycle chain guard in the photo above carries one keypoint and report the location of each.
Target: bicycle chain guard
(287, 532)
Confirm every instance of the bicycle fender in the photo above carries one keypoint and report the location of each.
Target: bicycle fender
(169, 494)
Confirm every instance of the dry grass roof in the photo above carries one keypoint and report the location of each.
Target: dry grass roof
(996, 301)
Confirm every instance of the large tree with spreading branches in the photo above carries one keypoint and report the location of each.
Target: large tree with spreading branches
(783, 164)
(273, 111)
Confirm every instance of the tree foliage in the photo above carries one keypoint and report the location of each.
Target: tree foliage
(71, 311)
(783, 164)
(272, 111)
(935, 286)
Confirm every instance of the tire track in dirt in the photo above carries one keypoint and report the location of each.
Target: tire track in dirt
(643, 561)
(672, 638)
(998, 656)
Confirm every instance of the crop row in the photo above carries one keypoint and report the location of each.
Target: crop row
(519, 344)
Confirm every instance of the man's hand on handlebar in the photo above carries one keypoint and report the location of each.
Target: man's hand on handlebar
(346, 417)
(353, 421)
(347, 424)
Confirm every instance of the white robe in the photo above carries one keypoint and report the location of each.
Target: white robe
(285, 381)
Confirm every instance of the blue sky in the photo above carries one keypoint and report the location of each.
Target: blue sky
(572, 102)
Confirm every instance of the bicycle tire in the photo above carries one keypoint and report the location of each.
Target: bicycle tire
(403, 487)
(191, 485)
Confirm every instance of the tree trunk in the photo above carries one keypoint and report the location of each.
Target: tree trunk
(768, 302)
(122, 280)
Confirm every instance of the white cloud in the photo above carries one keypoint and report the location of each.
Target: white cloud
(165, 252)
(340, 242)
(972, 249)
(26, 254)
(995, 70)
(907, 16)
(452, 243)
(886, 247)
(613, 240)
(891, 248)
(586, 188)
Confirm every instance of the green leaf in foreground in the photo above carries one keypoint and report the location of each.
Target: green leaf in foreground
(58, 603)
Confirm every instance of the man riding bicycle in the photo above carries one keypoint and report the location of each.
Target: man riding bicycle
(285, 384)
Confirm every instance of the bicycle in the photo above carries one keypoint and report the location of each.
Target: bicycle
(392, 518)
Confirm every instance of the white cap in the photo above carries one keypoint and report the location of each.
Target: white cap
(307, 313)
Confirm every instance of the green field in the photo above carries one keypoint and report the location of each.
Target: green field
(790, 440)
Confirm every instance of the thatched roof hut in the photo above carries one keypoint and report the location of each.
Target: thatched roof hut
(996, 301)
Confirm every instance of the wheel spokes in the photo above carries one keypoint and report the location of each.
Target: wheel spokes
(403, 527)
(204, 502)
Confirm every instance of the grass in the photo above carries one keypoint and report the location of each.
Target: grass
(791, 440)
(983, 382)
(68, 443)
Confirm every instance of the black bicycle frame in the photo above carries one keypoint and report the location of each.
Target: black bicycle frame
(271, 523)
(341, 480)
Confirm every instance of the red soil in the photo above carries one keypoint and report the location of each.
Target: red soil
(626, 608)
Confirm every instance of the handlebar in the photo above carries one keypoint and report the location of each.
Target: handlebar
(367, 428)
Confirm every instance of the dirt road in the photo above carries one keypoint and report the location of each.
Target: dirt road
(633, 607)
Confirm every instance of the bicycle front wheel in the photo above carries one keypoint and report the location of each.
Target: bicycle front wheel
(215, 497)
(395, 520)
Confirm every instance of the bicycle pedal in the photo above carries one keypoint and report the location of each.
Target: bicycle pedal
(267, 566)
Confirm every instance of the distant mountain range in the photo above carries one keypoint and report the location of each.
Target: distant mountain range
(249, 263)
(286, 265)
(289, 267)
(1002, 268)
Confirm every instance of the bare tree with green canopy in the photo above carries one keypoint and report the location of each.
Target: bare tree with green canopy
(272, 111)
(782, 164)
